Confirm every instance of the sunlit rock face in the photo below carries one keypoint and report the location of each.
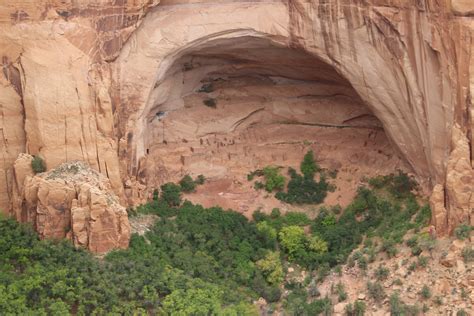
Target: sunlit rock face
(70, 201)
(117, 84)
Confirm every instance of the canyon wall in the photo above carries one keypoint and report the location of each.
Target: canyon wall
(81, 79)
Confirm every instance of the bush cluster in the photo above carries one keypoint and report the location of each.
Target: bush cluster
(187, 184)
(303, 189)
(38, 165)
(204, 261)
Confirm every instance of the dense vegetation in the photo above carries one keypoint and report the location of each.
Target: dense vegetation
(203, 261)
(174, 270)
(301, 189)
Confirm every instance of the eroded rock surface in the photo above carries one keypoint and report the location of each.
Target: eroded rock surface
(90, 81)
(71, 201)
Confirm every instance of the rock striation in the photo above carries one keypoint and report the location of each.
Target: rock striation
(85, 80)
(71, 201)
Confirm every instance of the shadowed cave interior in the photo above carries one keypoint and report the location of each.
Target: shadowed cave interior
(229, 106)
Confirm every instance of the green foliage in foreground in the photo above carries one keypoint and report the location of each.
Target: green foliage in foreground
(201, 263)
(198, 261)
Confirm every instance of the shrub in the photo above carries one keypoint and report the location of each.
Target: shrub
(423, 261)
(296, 218)
(273, 179)
(171, 194)
(463, 231)
(398, 282)
(376, 291)
(416, 250)
(271, 267)
(423, 217)
(425, 292)
(333, 173)
(38, 165)
(159, 207)
(412, 267)
(258, 185)
(267, 233)
(318, 307)
(381, 273)
(468, 254)
(200, 179)
(412, 242)
(317, 244)
(388, 246)
(259, 216)
(304, 190)
(341, 292)
(401, 185)
(356, 309)
(275, 213)
(362, 263)
(293, 240)
(398, 308)
(253, 174)
(461, 312)
(187, 184)
(308, 165)
(207, 88)
(211, 103)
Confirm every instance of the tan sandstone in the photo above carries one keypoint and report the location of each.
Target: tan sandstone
(87, 80)
(71, 201)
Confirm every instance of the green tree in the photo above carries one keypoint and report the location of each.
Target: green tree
(58, 308)
(241, 309)
(271, 267)
(194, 301)
(308, 165)
(171, 194)
(267, 233)
(293, 240)
(273, 179)
(317, 244)
(187, 184)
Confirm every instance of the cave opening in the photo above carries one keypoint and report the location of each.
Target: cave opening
(231, 106)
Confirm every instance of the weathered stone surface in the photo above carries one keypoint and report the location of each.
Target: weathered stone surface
(81, 80)
(71, 201)
(439, 214)
(459, 182)
(463, 7)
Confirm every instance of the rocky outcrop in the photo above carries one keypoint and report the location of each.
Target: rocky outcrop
(84, 80)
(71, 201)
(463, 7)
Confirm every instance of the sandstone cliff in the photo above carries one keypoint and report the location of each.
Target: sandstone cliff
(84, 80)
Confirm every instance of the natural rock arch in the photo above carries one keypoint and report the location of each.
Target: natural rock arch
(363, 47)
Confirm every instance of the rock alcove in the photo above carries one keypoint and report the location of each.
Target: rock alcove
(230, 106)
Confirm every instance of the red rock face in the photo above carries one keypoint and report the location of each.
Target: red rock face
(71, 201)
(82, 79)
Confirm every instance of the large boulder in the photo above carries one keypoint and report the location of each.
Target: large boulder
(71, 201)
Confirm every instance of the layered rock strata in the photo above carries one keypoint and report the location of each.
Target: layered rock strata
(81, 80)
